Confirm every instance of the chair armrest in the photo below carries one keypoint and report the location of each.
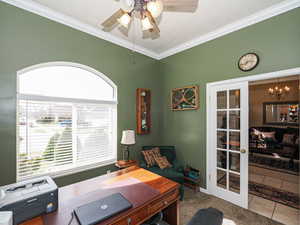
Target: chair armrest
(143, 165)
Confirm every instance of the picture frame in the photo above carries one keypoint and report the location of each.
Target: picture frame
(185, 98)
(143, 110)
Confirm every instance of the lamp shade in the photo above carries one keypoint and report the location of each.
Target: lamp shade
(128, 137)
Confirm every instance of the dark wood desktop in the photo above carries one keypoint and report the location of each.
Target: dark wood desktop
(148, 192)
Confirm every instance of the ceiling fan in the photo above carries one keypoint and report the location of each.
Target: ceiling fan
(147, 11)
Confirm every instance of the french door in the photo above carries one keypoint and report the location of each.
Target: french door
(228, 142)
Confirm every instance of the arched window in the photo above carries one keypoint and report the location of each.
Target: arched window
(66, 120)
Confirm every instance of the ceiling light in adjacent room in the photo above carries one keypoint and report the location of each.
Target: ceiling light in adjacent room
(278, 91)
(125, 20)
(155, 8)
(287, 88)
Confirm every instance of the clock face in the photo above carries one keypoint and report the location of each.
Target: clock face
(248, 62)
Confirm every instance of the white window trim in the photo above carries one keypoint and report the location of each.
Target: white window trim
(114, 103)
(84, 67)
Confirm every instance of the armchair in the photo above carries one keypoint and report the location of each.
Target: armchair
(174, 173)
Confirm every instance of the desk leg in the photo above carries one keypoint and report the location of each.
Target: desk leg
(171, 213)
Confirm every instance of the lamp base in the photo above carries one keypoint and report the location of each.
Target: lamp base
(126, 153)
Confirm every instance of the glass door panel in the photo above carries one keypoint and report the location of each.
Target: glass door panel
(222, 100)
(230, 121)
(222, 179)
(234, 140)
(234, 99)
(221, 139)
(222, 120)
(234, 161)
(234, 120)
(234, 182)
(222, 159)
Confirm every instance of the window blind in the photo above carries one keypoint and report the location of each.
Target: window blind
(61, 136)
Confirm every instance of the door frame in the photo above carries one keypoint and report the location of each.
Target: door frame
(209, 86)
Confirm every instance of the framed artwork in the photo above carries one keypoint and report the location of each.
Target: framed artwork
(186, 98)
(143, 110)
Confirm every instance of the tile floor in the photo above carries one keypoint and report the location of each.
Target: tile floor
(278, 212)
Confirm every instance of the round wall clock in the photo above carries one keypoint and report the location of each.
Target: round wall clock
(248, 61)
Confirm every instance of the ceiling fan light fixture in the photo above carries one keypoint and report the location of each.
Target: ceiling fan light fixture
(155, 7)
(127, 5)
(146, 24)
(124, 20)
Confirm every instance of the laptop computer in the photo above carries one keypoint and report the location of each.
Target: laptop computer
(94, 212)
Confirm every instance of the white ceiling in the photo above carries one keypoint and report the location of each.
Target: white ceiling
(179, 31)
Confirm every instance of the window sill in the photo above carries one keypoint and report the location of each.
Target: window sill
(74, 170)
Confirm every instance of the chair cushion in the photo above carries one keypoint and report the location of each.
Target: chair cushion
(269, 135)
(169, 173)
(208, 216)
(288, 139)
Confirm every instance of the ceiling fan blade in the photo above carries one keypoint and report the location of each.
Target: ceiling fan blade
(113, 19)
(147, 34)
(180, 5)
(155, 28)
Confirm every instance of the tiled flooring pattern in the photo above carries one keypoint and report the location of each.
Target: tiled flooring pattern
(270, 209)
(233, 214)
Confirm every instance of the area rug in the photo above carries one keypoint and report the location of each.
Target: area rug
(277, 164)
(271, 193)
(233, 214)
(274, 169)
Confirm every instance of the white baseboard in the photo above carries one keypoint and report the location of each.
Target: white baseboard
(203, 190)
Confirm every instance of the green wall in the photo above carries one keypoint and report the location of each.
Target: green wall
(27, 39)
(277, 42)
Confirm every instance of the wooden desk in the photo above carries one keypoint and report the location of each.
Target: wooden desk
(133, 183)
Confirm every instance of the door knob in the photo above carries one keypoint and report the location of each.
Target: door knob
(243, 150)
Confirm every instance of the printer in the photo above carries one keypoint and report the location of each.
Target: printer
(30, 198)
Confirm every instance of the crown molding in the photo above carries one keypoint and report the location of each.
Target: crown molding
(48, 13)
(245, 22)
(44, 11)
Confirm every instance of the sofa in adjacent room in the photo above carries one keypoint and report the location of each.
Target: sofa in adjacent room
(275, 146)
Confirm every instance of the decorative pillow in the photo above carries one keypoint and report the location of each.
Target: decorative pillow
(288, 138)
(256, 132)
(150, 156)
(162, 162)
(268, 135)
